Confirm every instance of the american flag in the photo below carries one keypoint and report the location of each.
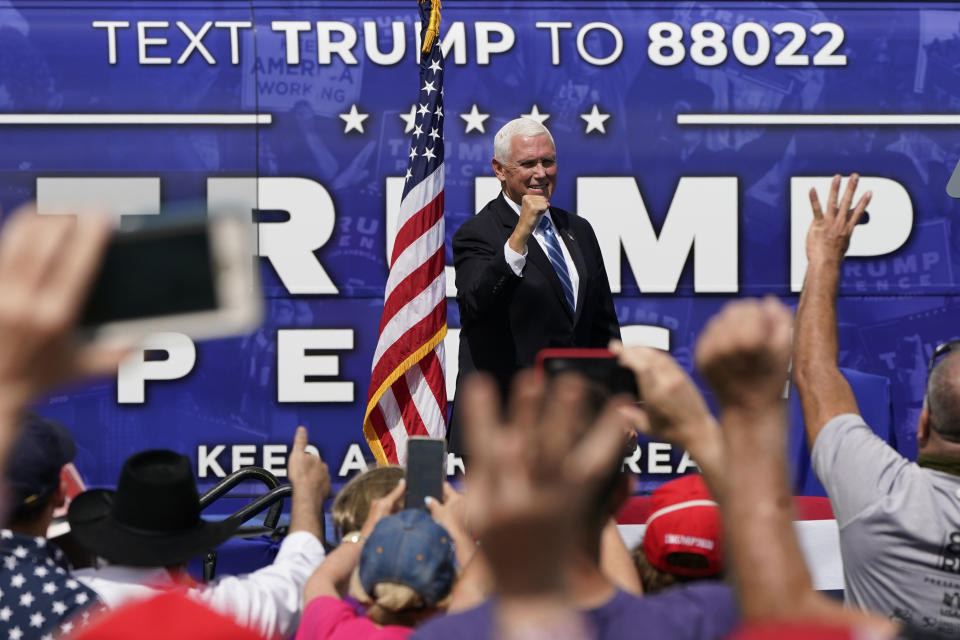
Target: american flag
(407, 393)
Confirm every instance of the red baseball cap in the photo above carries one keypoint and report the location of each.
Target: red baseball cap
(684, 534)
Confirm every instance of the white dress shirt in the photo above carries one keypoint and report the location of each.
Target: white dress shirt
(269, 600)
(518, 260)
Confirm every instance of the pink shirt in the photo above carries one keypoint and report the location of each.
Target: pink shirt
(327, 618)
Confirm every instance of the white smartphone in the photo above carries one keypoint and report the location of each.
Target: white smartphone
(192, 274)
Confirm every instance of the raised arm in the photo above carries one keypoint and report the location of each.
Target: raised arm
(310, 479)
(47, 265)
(674, 410)
(330, 578)
(743, 353)
(824, 392)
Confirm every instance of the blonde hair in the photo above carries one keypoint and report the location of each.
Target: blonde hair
(352, 504)
(392, 603)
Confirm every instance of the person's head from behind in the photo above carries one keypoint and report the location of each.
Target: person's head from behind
(683, 540)
(525, 159)
(406, 569)
(41, 449)
(938, 429)
(153, 517)
(352, 504)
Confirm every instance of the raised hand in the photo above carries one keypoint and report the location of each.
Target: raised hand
(830, 231)
(744, 353)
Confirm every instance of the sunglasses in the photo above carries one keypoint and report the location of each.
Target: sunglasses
(939, 352)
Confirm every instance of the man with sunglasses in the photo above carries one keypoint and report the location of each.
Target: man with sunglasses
(899, 521)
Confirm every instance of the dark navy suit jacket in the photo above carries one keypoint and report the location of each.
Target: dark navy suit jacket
(507, 319)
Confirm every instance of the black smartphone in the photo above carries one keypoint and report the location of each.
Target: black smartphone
(193, 274)
(426, 467)
(600, 366)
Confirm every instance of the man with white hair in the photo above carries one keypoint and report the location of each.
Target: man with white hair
(529, 275)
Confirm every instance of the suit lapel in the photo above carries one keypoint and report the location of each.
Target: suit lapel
(535, 254)
(562, 222)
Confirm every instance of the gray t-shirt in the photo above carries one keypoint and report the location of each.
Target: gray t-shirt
(899, 526)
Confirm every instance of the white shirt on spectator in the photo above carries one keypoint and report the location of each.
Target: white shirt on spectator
(269, 600)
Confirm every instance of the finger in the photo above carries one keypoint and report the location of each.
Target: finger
(396, 495)
(637, 418)
(832, 197)
(300, 439)
(99, 360)
(526, 398)
(615, 347)
(72, 276)
(595, 457)
(35, 253)
(858, 211)
(780, 326)
(449, 492)
(815, 205)
(480, 413)
(847, 199)
(640, 360)
(564, 419)
(433, 506)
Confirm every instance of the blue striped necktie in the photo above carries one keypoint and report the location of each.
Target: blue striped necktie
(556, 259)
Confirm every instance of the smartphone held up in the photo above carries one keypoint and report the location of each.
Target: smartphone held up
(598, 366)
(186, 270)
(426, 469)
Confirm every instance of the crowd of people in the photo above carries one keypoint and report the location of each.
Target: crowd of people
(530, 548)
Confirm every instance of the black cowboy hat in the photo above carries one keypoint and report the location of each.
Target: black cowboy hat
(152, 519)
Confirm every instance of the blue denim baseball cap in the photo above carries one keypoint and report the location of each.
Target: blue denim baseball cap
(409, 548)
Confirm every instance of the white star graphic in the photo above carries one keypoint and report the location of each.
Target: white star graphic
(428, 152)
(353, 119)
(26, 599)
(409, 118)
(49, 588)
(474, 120)
(82, 598)
(10, 562)
(72, 584)
(5, 614)
(536, 115)
(438, 112)
(595, 120)
(59, 608)
(15, 633)
(41, 542)
(66, 627)
(435, 65)
(408, 176)
(20, 552)
(433, 133)
(6, 534)
(417, 132)
(17, 580)
(37, 620)
(48, 636)
(41, 572)
(413, 152)
(428, 87)
(424, 109)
